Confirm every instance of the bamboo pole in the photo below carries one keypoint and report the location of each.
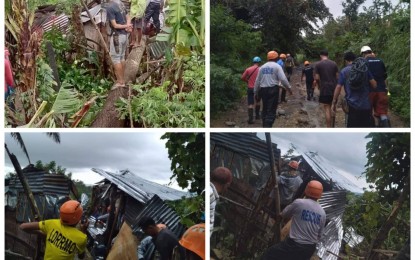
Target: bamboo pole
(277, 226)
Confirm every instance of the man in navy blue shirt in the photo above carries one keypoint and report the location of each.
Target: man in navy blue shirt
(308, 73)
(360, 110)
(378, 96)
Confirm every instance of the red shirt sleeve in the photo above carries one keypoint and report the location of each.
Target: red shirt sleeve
(8, 73)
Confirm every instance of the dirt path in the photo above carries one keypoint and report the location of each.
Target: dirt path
(298, 112)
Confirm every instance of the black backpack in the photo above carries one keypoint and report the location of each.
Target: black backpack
(358, 74)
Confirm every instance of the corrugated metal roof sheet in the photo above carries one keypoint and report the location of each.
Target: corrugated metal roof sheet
(42, 182)
(326, 171)
(139, 188)
(245, 143)
(61, 22)
(331, 239)
(132, 209)
(333, 203)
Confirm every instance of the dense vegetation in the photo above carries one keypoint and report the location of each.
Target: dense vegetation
(253, 28)
(187, 155)
(382, 214)
(170, 94)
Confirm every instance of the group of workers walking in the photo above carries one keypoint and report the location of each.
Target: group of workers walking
(366, 94)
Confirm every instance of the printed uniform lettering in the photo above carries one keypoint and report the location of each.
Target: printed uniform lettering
(61, 242)
(311, 217)
(267, 71)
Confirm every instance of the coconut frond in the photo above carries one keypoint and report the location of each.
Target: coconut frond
(56, 137)
(16, 136)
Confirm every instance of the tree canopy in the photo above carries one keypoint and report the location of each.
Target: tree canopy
(187, 155)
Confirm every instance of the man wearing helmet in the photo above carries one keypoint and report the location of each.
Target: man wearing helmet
(249, 76)
(63, 239)
(359, 108)
(289, 65)
(266, 87)
(220, 180)
(378, 96)
(308, 221)
(281, 62)
(193, 240)
(289, 183)
(308, 74)
(164, 240)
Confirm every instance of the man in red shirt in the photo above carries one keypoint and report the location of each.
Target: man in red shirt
(249, 76)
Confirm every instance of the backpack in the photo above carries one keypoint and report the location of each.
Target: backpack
(357, 79)
(290, 62)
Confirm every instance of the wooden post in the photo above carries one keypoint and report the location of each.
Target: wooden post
(25, 184)
(277, 226)
(53, 65)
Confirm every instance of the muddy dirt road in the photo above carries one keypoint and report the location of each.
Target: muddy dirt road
(298, 112)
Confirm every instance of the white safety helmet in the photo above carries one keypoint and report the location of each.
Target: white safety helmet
(365, 49)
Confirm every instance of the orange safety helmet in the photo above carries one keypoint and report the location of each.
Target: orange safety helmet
(283, 56)
(306, 62)
(272, 55)
(71, 212)
(293, 164)
(194, 240)
(314, 189)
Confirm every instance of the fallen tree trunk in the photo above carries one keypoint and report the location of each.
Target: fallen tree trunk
(108, 116)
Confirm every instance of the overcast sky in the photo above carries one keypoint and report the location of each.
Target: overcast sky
(142, 153)
(335, 6)
(345, 151)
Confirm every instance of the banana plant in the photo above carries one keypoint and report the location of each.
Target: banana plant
(185, 26)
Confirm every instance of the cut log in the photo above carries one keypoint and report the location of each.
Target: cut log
(108, 116)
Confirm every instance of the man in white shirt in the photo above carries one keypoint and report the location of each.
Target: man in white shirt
(220, 180)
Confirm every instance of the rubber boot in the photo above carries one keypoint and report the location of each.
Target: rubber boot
(251, 116)
(385, 123)
(257, 116)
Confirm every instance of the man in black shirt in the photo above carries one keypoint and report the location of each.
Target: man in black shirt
(164, 240)
(308, 74)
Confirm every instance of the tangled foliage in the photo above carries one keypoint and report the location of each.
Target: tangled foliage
(159, 107)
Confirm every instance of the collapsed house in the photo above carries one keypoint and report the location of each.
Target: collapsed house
(246, 225)
(122, 199)
(50, 191)
(130, 198)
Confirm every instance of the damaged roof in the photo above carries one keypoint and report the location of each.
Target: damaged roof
(245, 143)
(327, 171)
(42, 182)
(141, 189)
